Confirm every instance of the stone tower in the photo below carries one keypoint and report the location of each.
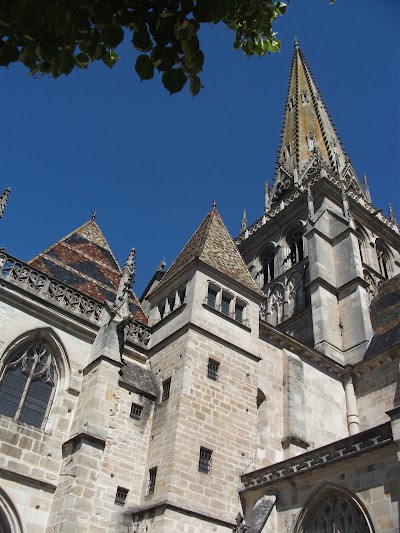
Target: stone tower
(321, 248)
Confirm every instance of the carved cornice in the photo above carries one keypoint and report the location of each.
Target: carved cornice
(341, 450)
(301, 191)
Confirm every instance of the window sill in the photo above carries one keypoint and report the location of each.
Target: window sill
(227, 317)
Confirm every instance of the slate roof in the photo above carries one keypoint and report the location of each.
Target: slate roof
(385, 317)
(213, 245)
(84, 261)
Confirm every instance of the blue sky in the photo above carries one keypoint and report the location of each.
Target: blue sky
(151, 164)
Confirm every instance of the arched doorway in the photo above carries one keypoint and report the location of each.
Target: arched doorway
(9, 519)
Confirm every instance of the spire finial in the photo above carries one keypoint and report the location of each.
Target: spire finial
(366, 188)
(125, 285)
(392, 216)
(3, 201)
(296, 43)
(214, 205)
(267, 196)
(94, 215)
(161, 266)
(243, 226)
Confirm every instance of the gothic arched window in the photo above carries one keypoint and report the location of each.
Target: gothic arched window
(295, 242)
(383, 259)
(268, 265)
(337, 512)
(361, 244)
(27, 383)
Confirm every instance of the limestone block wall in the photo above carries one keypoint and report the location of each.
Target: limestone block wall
(377, 390)
(171, 521)
(29, 455)
(220, 416)
(325, 407)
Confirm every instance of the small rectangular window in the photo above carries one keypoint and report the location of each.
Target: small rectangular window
(225, 304)
(212, 369)
(239, 308)
(212, 297)
(136, 411)
(205, 460)
(166, 387)
(152, 480)
(120, 496)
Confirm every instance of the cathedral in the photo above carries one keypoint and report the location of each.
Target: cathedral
(253, 386)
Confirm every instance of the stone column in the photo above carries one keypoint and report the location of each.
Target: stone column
(351, 404)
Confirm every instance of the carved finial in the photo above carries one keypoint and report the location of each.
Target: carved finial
(392, 216)
(3, 201)
(267, 194)
(240, 526)
(310, 204)
(243, 226)
(214, 205)
(94, 215)
(367, 191)
(296, 43)
(121, 306)
(161, 266)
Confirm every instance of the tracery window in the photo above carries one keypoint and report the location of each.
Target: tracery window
(28, 382)
(295, 242)
(338, 514)
(383, 260)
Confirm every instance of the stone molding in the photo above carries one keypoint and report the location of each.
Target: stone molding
(332, 453)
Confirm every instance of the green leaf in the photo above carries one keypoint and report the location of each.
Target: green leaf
(141, 39)
(112, 35)
(164, 57)
(174, 80)
(110, 58)
(195, 85)
(82, 60)
(144, 67)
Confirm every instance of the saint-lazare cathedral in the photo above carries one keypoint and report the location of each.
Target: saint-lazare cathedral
(253, 387)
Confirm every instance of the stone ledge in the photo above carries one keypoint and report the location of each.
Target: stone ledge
(27, 480)
(227, 317)
(166, 506)
(320, 457)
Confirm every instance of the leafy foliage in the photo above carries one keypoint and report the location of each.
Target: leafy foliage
(55, 36)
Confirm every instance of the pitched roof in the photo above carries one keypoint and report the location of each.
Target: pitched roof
(213, 245)
(385, 313)
(84, 261)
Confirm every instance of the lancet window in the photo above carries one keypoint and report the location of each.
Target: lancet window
(28, 383)
(383, 260)
(268, 265)
(295, 242)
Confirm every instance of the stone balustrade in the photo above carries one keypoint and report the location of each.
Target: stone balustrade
(65, 297)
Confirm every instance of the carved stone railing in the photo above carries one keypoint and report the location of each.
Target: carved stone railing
(48, 288)
(339, 450)
(138, 333)
(51, 290)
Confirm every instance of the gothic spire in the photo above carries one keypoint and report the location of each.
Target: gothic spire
(3, 201)
(392, 216)
(307, 126)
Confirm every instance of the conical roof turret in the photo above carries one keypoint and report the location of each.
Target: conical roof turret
(211, 244)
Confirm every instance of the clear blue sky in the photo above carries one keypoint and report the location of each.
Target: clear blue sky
(151, 164)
